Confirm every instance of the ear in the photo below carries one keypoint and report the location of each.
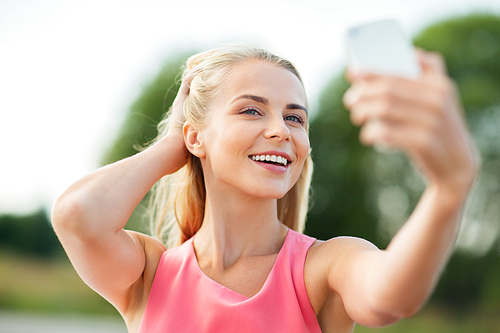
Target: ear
(192, 140)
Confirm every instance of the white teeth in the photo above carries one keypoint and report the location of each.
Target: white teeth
(270, 158)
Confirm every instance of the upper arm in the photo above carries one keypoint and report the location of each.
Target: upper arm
(346, 264)
(113, 264)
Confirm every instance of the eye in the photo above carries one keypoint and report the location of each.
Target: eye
(251, 111)
(294, 118)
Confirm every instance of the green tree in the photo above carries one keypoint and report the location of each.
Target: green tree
(341, 193)
(29, 235)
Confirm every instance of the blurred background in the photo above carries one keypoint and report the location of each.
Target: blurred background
(84, 82)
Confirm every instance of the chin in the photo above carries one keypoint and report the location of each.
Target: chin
(270, 194)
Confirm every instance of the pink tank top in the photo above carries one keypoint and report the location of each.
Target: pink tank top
(184, 299)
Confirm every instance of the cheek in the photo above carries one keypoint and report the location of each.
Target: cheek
(302, 145)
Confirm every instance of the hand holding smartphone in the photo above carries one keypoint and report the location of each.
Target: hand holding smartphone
(381, 47)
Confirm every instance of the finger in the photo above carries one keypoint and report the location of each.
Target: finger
(377, 133)
(352, 74)
(431, 62)
(393, 91)
(393, 135)
(395, 111)
(377, 86)
(176, 113)
(186, 81)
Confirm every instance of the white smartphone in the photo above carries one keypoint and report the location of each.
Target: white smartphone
(381, 47)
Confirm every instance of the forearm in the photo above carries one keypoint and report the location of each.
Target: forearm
(104, 200)
(407, 271)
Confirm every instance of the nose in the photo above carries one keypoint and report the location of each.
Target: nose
(277, 129)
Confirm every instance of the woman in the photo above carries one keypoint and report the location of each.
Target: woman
(237, 131)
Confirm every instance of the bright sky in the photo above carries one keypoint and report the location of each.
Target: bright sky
(70, 69)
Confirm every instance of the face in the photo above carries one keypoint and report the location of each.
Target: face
(256, 139)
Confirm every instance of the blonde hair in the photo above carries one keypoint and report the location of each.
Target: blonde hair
(177, 202)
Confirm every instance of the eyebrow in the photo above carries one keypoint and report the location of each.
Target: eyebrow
(265, 101)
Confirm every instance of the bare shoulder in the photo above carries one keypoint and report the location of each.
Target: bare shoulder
(325, 257)
(334, 257)
(326, 262)
(336, 249)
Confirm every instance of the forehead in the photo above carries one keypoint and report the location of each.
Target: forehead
(261, 78)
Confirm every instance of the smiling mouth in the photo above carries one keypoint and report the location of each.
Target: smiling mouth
(271, 159)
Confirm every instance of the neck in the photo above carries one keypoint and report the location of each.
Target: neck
(236, 226)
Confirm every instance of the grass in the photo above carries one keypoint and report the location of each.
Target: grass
(31, 284)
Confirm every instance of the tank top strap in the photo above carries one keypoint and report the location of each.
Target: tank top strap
(294, 255)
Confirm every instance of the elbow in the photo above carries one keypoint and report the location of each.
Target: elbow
(410, 311)
(387, 313)
(68, 215)
(396, 300)
(397, 313)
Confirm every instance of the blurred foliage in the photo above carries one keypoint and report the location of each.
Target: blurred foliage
(29, 235)
(340, 203)
(471, 47)
(470, 282)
